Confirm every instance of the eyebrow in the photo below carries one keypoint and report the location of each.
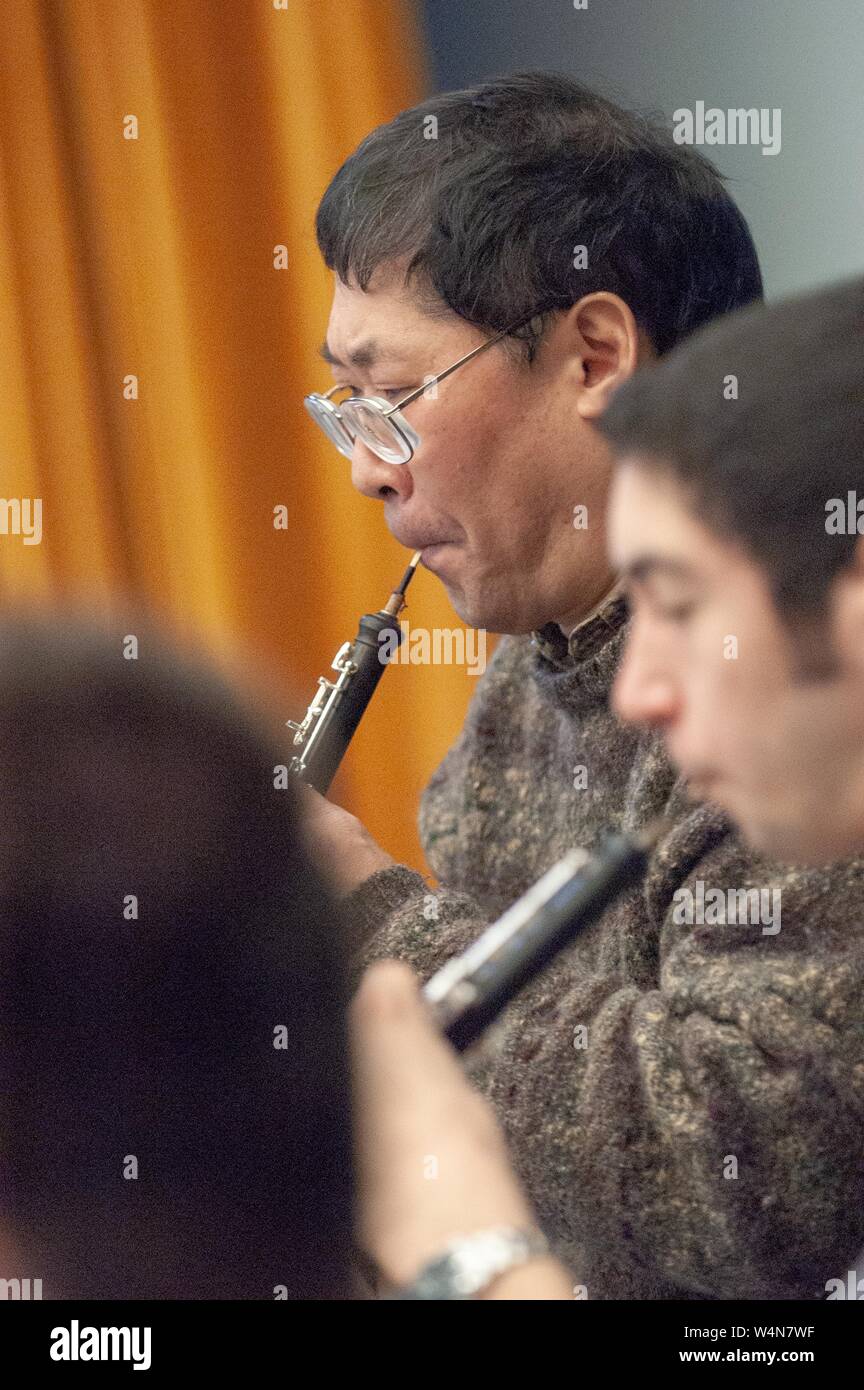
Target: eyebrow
(365, 355)
(646, 566)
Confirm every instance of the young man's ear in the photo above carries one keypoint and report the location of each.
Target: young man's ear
(849, 610)
(608, 345)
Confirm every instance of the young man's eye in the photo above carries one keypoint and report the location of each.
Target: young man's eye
(664, 604)
(675, 612)
(641, 600)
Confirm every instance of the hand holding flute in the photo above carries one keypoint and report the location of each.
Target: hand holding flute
(433, 1164)
(410, 1212)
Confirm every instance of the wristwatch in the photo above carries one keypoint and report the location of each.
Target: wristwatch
(469, 1264)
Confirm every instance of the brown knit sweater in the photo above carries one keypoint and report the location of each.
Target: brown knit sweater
(702, 1135)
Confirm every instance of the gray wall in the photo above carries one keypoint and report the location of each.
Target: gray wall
(805, 206)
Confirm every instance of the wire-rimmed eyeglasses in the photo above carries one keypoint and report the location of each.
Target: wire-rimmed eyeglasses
(378, 424)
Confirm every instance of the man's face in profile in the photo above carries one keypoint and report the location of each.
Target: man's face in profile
(504, 458)
(712, 667)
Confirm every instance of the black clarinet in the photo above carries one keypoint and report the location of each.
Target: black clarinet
(330, 722)
(470, 991)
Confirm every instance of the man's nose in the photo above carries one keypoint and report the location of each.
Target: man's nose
(643, 693)
(375, 478)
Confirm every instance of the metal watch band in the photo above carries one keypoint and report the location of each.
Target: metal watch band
(468, 1264)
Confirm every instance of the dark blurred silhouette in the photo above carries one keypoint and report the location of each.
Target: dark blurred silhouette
(152, 1036)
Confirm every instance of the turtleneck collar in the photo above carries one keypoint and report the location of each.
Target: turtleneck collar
(579, 669)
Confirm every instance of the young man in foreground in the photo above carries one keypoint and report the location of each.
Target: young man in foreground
(737, 526)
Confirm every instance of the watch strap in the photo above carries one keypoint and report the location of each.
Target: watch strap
(469, 1264)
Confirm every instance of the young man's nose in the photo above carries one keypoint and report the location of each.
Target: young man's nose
(643, 694)
(375, 478)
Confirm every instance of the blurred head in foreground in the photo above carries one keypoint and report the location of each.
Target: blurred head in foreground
(737, 518)
(161, 930)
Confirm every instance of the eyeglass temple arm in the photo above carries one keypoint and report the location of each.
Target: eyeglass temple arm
(490, 342)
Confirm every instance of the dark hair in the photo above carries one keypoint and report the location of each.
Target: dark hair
(761, 469)
(522, 170)
(153, 1036)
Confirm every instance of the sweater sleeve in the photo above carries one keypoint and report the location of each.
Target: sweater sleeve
(395, 913)
(706, 1130)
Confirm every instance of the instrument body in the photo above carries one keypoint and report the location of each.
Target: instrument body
(471, 990)
(330, 722)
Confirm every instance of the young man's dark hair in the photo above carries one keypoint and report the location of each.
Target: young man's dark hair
(486, 194)
(761, 418)
(159, 921)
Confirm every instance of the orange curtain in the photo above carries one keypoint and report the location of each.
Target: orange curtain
(155, 345)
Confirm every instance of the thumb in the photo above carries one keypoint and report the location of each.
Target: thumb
(394, 1032)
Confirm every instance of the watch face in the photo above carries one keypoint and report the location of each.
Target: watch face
(470, 1264)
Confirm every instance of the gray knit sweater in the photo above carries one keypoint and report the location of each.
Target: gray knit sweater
(685, 1102)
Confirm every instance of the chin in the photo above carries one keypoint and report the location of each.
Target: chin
(460, 606)
(473, 611)
(819, 844)
(487, 602)
(810, 842)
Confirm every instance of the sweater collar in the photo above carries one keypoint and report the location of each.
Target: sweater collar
(586, 638)
(580, 668)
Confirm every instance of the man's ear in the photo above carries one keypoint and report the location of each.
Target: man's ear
(848, 614)
(609, 345)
